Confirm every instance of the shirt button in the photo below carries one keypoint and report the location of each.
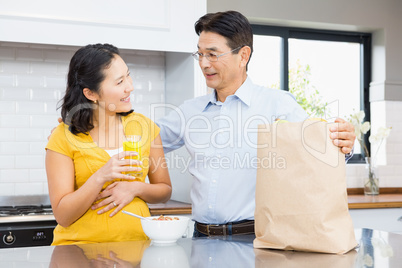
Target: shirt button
(214, 181)
(210, 206)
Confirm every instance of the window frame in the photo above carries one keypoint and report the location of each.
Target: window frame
(364, 39)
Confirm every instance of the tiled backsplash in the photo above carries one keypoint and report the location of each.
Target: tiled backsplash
(32, 81)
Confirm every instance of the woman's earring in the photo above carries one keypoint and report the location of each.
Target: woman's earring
(95, 101)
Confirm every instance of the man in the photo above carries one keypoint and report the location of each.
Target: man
(219, 129)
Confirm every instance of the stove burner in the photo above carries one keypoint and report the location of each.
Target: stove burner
(6, 211)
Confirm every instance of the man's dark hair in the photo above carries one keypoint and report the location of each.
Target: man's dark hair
(230, 24)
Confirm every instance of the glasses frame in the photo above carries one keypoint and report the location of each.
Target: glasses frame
(197, 56)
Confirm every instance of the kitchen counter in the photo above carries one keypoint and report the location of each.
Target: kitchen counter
(171, 207)
(377, 249)
(378, 201)
(356, 201)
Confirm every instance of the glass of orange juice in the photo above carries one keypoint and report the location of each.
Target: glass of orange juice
(133, 143)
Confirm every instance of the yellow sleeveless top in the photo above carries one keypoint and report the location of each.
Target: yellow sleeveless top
(88, 158)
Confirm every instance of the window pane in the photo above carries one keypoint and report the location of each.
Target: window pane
(334, 72)
(264, 66)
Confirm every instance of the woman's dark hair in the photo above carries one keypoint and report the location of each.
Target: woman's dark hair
(230, 24)
(86, 70)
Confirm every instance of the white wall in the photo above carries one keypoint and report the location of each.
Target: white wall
(32, 81)
(383, 20)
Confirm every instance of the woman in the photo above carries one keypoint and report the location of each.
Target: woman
(85, 163)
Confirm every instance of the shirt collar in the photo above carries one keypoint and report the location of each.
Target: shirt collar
(242, 93)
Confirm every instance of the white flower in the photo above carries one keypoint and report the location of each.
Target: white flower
(357, 118)
(357, 121)
(365, 127)
(382, 133)
(362, 128)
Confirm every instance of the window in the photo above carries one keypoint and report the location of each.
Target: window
(331, 67)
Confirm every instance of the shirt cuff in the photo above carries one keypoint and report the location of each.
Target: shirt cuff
(349, 155)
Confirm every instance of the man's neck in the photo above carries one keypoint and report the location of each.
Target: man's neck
(222, 94)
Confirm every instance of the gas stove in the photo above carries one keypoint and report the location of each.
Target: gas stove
(26, 221)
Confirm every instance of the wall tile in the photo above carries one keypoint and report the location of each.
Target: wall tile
(55, 82)
(14, 175)
(15, 67)
(37, 147)
(7, 80)
(29, 134)
(30, 107)
(14, 148)
(43, 68)
(51, 106)
(7, 189)
(62, 68)
(12, 121)
(38, 121)
(38, 175)
(7, 161)
(45, 94)
(30, 81)
(34, 188)
(7, 134)
(29, 161)
(45, 189)
(7, 107)
(15, 94)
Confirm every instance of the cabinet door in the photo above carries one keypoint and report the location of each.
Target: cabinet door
(384, 219)
(160, 25)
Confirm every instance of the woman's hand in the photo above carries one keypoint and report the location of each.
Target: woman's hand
(116, 165)
(116, 195)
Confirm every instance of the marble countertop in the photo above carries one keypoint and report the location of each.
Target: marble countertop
(377, 249)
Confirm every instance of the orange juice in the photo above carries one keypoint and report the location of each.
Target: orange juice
(133, 144)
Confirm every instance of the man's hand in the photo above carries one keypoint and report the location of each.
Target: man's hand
(343, 135)
(58, 119)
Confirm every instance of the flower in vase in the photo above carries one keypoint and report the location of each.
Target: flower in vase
(361, 128)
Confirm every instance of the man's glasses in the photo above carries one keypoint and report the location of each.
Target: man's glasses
(210, 56)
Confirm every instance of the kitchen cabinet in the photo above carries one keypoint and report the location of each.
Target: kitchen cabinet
(381, 212)
(384, 219)
(158, 25)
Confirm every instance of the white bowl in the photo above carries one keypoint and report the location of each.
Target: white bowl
(165, 231)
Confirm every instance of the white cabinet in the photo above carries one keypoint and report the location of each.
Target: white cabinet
(384, 219)
(160, 25)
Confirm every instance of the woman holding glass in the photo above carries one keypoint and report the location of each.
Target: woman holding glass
(85, 163)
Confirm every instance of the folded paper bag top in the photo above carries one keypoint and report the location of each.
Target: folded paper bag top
(301, 201)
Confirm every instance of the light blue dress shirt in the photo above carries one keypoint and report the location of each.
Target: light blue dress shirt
(221, 139)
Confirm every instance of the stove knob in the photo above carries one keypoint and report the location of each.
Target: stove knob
(9, 239)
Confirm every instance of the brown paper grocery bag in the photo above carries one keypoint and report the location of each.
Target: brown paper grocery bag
(301, 199)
